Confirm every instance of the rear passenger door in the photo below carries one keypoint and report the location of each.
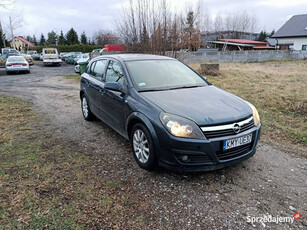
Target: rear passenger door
(96, 86)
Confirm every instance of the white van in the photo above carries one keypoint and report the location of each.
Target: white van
(51, 56)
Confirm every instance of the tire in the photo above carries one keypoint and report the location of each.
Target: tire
(142, 147)
(86, 111)
(28, 71)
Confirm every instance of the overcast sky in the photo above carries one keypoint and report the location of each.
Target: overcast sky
(42, 16)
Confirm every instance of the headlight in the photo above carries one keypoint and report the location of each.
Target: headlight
(181, 127)
(255, 114)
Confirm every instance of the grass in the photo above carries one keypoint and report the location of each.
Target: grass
(73, 76)
(278, 89)
(46, 183)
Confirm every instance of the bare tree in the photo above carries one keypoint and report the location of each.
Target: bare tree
(15, 22)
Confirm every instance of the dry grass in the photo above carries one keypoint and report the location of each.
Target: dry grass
(279, 91)
(46, 183)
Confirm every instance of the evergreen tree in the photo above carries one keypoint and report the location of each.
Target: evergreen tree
(42, 41)
(83, 38)
(262, 36)
(62, 40)
(34, 40)
(3, 40)
(52, 37)
(29, 39)
(72, 37)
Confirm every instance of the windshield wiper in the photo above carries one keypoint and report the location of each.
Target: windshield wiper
(185, 87)
(151, 90)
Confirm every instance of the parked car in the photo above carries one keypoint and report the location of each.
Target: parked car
(29, 59)
(77, 69)
(17, 64)
(71, 59)
(84, 58)
(41, 56)
(172, 116)
(34, 54)
(51, 57)
(8, 51)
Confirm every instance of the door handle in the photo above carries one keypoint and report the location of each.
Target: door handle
(102, 92)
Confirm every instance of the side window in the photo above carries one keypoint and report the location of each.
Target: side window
(304, 47)
(115, 73)
(99, 69)
(91, 69)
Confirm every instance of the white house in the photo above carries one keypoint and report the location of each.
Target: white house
(293, 34)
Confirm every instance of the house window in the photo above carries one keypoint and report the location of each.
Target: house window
(304, 47)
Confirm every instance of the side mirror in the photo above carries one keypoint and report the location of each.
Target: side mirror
(115, 86)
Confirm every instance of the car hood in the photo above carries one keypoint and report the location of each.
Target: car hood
(206, 105)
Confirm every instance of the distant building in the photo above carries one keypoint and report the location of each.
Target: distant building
(239, 44)
(21, 43)
(212, 36)
(293, 34)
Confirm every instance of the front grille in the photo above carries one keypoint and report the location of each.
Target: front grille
(227, 130)
(235, 152)
(194, 158)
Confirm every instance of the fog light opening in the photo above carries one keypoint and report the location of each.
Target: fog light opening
(185, 158)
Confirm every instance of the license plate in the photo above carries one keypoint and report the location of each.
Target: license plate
(229, 144)
(17, 65)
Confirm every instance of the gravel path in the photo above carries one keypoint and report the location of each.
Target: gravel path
(271, 183)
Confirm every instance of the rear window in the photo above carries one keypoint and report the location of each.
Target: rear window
(50, 52)
(15, 58)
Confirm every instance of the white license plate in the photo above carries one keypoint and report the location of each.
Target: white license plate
(228, 144)
(17, 65)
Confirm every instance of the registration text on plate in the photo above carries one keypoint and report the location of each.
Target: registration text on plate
(228, 144)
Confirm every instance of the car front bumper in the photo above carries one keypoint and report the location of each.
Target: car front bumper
(203, 155)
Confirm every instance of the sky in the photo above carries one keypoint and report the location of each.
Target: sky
(42, 16)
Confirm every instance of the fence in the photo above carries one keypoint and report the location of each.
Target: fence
(238, 56)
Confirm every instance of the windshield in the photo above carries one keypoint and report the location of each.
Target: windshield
(15, 59)
(162, 75)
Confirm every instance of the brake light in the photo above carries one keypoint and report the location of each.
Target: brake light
(24, 64)
(9, 65)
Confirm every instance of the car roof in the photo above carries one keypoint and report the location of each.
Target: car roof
(135, 57)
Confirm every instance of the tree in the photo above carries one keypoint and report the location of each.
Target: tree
(262, 36)
(72, 37)
(42, 40)
(62, 40)
(52, 37)
(83, 38)
(34, 40)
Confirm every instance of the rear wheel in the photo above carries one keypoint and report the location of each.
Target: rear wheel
(142, 147)
(86, 111)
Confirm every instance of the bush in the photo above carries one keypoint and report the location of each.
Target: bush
(68, 48)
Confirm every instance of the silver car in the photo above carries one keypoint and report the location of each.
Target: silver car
(16, 64)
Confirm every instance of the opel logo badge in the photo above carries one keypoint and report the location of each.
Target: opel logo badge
(236, 128)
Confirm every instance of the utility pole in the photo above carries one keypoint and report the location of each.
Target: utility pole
(2, 35)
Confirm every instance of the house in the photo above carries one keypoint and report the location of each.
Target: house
(240, 44)
(21, 44)
(293, 34)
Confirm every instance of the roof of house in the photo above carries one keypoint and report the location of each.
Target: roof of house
(294, 27)
(244, 41)
(25, 41)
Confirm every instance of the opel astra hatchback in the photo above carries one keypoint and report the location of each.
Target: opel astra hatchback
(172, 116)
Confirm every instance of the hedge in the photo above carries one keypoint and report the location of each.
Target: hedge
(68, 48)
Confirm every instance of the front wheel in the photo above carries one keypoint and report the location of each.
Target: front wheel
(142, 146)
(86, 111)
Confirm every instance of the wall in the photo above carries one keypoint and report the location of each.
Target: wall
(238, 56)
(298, 42)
